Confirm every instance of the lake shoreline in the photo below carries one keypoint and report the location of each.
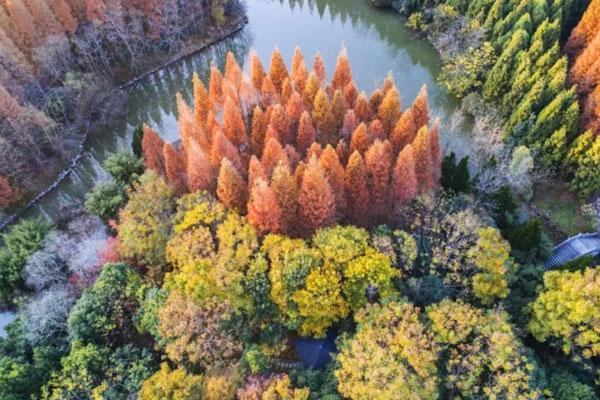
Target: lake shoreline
(194, 47)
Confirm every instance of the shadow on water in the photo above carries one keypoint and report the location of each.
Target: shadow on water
(376, 40)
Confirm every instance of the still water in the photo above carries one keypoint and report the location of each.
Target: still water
(376, 40)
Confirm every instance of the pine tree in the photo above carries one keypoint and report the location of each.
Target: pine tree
(257, 71)
(404, 180)
(306, 133)
(223, 148)
(378, 162)
(259, 127)
(316, 203)
(360, 139)
(388, 84)
(152, 147)
(420, 109)
(299, 72)
(256, 171)
(285, 189)
(323, 118)
(263, 211)
(231, 188)
(215, 88)
(334, 172)
(319, 68)
(423, 165)
(234, 127)
(355, 180)
(201, 101)
(273, 154)
(362, 108)
(342, 75)
(404, 132)
(233, 72)
(199, 169)
(277, 70)
(175, 168)
(389, 111)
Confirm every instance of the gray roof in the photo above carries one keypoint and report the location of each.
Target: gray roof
(584, 244)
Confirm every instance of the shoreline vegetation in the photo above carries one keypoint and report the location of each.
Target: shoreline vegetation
(194, 47)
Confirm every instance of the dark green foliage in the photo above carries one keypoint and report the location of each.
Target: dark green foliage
(504, 208)
(565, 386)
(106, 200)
(578, 264)
(455, 176)
(322, 383)
(136, 141)
(528, 241)
(523, 290)
(124, 167)
(104, 313)
(20, 242)
(128, 367)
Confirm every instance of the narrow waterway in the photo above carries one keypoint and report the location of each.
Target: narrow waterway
(376, 40)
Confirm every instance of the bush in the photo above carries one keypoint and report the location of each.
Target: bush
(106, 200)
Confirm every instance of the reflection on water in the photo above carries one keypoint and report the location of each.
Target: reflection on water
(376, 40)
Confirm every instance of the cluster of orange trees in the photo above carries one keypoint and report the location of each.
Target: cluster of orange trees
(296, 152)
(584, 47)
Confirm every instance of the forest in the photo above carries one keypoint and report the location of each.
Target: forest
(292, 234)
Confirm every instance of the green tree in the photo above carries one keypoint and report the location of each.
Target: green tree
(455, 176)
(106, 199)
(124, 167)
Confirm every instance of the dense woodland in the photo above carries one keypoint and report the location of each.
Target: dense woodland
(296, 208)
(58, 59)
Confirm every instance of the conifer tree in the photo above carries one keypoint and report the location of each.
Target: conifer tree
(256, 171)
(294, 109)
(234, 127)
(404, 180)
(319, 68)
(268, 93)
(223, 148)
(285, 189)
(334, 172)
(286, 91)
(23, 23)
(277, 70)
(362, 108)
(355, 180)
(259, 127)
(45, 21)
(586, 29)
(257, 70)
(64, 14)
(280, 123)
(199, 169)
(263, 211)
(231, 188)
(273, 154)
(423, 165)
(175, 168)
(360, 139)
(378, 162)
(349, 124)
(152, 148)
(342, 151)
(316, 203)
(436, 153)
(215, 87)
(404, 132)
(342, 75)
(420, 109)
(389, 110)
(306, 133)
(323, 118)
(375, 130)
(299, 72)
(201, 101)
(311, 88)
(233, 72)
(375, 100)
(350, 93)
(338, 108)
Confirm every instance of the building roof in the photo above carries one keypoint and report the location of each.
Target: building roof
(584, 244)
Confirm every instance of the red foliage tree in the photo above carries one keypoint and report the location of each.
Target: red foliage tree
(259, 127)
(257, 71)
(420, 109)
(587, 28)
(423, 164)
(334, 171)
(389, 110)
(223, 148)
(152, 148)
(349, 124)
(306, 133)
(233, 72)
(277, 70)
(8, 195)
(378, 162)
(231, 187)
(323, 118)
(376, 131)
(64, 14)
(294, 109)
(201, 100)
(199, 169)
(404, 132)
(280, 123)
(175, 168)
(268, 93)
(360, 139)
(299, 72)
(404, 180)
(319, 68)
(362, 108)
(285, 189)
(234, 127)
(215, 87)
(355, 180)
(342, 75)
(273, 154)
(23, 23)
(256, 171)
(263, 210)
(316, 203)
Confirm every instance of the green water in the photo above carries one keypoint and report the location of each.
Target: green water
(376, 40)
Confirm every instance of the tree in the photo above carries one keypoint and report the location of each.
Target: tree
(323, 118)
(299, 72)
(64, 14)
(565, 309)
(175, 168)
(152, 148)
(105, 200)
(215, 87)
(199, 169)
(8, 195)
(124, 167)
(342, 74)
(389, 111)
(285, 189)
(360, 139)
(362, 108)
(334, 171)
(319, 67)
(316, 202)
(198, 335)
(231, 187)
(23, 23)
(234, 127)
(277, 70)
(223, 148)
(391, 355)
(455, 176)
(306, 133)
(259, 126)
(257, 70)
(423, 164)
(404, 180)
(420, 109)
(263, 210)
(145, 221)
(104, 313)
(585, 30)
(355, 180)
(273, 155)
(172, 385)
(378, 161)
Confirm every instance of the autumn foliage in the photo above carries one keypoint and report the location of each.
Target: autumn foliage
(298, 153)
